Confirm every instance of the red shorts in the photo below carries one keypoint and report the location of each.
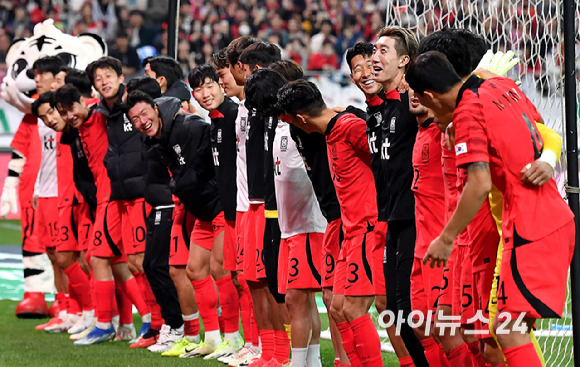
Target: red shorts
(107, 234)
(300, 269)
(378, 259)
(254, 268)
(330, 248)
(484, 239)
(241, 224)
(68, 228)
(134, 215)
(534, 274)
(230, 246)
(46, 222)
(447, 280)
(86, 219)
(482, 281)
(183, 222)
(204, 233)
(30, 241)
(425, 286)
(463, 302)
(339, 272)
(357, 272)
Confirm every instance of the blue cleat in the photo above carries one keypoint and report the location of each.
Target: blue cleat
(144, 328)
(97, 336)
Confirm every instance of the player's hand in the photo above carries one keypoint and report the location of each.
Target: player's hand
(450, 136)
(438, 252)
(9, 197)
(34, 202)
(339, 109)
(537, 172)
(83, 262)
(499, 62)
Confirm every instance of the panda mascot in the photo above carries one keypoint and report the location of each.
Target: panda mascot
(18, 89)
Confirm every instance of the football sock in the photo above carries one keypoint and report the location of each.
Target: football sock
(104, 291)
(313, 356)
(132, 291)
(62, 304)
(474, 348)
(368, 344)
(348, 343)
(255, 331)
(299, 357)
(336, 362)
(206, 296)
(281, 346)
(267, 338)
(406, 362)
(461, 356)
(73, 307)
(191, 327)
(156, 319)
(230, 304)
(124, 306)
(443, 356)
(432, 352)
(213, 337)
(220, 316)
(78, 282)
(522, 356)
(246, 307)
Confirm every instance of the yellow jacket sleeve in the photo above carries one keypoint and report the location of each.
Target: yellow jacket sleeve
(552, 141)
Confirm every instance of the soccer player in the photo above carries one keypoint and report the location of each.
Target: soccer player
(349, 161)
(182, 140)
(232, 256)
(301, 223)
(394, 139)
(362, 75)
(223, 112)
(480, 113)
(312, 148)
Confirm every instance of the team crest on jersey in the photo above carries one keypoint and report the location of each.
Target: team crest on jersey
(177, 150)
(378, 117)
(284, 144)
(243, 123)
(425, 153)
(157, 218)
(127, 125)
(392, 125)
(219, 136)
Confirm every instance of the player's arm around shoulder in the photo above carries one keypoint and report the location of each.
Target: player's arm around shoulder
(542, 169)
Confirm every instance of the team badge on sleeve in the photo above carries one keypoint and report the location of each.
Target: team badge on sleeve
(460, 148)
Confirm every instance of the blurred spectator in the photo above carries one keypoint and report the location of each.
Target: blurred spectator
(126, 53)
(87, 23)
(141, 33)
(276, 26)
(318, 39)
(325, 60)
(105, 14)
(21, 22)
(296, 51)
(185, 58)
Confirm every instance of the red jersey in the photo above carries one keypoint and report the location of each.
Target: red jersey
(428, 186)
(26, 141)
(64, 169)
(452, 186)
(350, 166)
(93, 133)
(494, 123)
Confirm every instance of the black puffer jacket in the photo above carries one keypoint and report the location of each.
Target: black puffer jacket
(125, 158)
(184, 147)
(178, 90)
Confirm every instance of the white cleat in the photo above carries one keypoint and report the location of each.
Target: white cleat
(167, 339)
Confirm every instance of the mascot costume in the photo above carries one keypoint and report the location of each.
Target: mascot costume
(18, 89)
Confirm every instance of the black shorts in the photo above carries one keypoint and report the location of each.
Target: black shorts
(270, 256)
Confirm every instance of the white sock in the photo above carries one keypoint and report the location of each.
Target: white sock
(146, 317)
(104, 325)
(313, 356)
(232, 337)
(195, 339)
(213, 337)
(193, 316)
(299, 357)
(88, 314)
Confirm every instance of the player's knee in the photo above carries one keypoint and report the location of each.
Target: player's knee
(336, 312)
(64, 259)
(327, 298)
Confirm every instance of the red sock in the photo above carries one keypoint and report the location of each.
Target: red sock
(522, 356)
(336, 362)
(443, 357)
(78, 283)
(156, 319)
(348, 343)
(61, 301)
(368, 344)
(246, 307)
(131, 289)
(206, 297)
(104, 293)
(267, 338)
(230, 303)
(461, 356)
(220, 319)
(191, 325)
(124, 306)
(73, 307)
(432, 352)
(255, 331)
(406, 362)
(281, 346)
(474, 348)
